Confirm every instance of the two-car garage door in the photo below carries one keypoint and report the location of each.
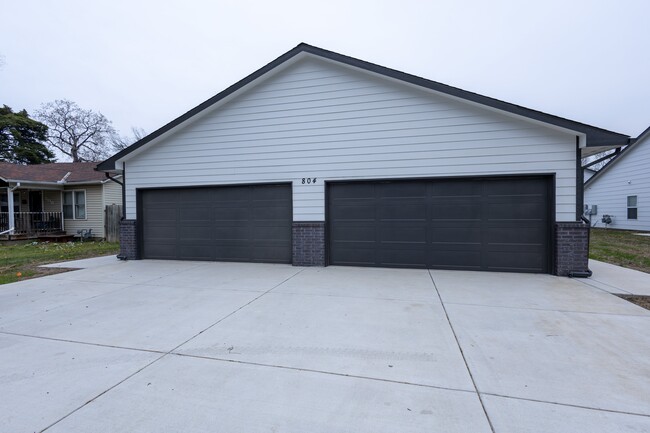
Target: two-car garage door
(499, 224)
(248, 223)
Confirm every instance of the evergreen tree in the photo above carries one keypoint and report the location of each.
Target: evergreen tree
(21, 138)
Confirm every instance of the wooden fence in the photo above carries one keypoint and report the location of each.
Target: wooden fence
(112, 217)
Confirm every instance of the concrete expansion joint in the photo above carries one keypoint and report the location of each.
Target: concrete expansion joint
(599, 409)
(462, 354)
(16, 334)
(330, 373)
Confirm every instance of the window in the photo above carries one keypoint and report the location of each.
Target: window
(74, 205)
(4, 202)
(631, 207)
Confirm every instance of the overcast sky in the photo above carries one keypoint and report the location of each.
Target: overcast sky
(144, 63)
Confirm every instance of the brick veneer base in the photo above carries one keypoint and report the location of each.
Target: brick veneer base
(308, 243)
(128, 240)
(571, 248)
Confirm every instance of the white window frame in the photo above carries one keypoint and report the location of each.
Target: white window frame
(635, 207)
(74, 204)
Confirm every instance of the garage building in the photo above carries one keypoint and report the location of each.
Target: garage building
(322, 159)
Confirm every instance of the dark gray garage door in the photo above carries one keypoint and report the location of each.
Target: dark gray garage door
(235, 223)
(498, 224)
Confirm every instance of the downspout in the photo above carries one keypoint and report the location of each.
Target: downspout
(123, 183)
(580, 185)
(580, 189)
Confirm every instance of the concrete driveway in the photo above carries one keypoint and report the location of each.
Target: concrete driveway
(215, 347)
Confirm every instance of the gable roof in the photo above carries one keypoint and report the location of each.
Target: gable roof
(635, 143)
(80, 172)
(597, 137)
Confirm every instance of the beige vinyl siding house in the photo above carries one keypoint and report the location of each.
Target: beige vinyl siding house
(319, 158)
(97, 198)
(40, 193)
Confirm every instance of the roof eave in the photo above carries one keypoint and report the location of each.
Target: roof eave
(596, 137)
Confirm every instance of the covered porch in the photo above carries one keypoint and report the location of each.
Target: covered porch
(30, 212)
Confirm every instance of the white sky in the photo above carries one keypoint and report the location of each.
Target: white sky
(144, 63)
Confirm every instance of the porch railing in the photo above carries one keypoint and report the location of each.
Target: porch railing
(32, 222)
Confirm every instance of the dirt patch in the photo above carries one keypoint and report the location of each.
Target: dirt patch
(642, 301)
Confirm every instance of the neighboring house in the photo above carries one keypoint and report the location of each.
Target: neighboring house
(621, 189)
(59, 197)
(319, 158)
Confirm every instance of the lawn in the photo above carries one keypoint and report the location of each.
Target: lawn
(621, 247)
(19, 261)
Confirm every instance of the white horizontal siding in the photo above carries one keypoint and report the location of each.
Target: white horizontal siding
(318, 120)
(609, 191)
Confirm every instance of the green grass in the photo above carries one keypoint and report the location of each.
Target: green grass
(620, 247)
(24, 258)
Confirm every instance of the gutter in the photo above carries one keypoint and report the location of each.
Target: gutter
(113, 179)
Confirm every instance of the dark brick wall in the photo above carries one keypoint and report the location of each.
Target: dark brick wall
(571, 247)
(128, 240)
(309, 244)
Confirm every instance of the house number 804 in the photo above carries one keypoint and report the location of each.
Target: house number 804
(308, 180)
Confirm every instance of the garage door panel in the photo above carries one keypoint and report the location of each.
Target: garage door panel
(476, 223)
(195, 232)
(523, 234)
(403, 233)
(455, 209)
(412, 255)
(354, 232)
(160, 231)
(355, 191)
(271, 233)
(195, 213)
(233, 223)
(402, 210)
(355, 254)
(161, 250)
(450, 234)
(233, 213)
(516, 210)
(520, 261)
(277, 213)
(161, 214)
(411, 190)
(354, 211)
(455, 259)
(196, 252)
(456, 188)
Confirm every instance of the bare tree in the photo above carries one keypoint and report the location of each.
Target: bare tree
(83, 135)
(122, 142)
